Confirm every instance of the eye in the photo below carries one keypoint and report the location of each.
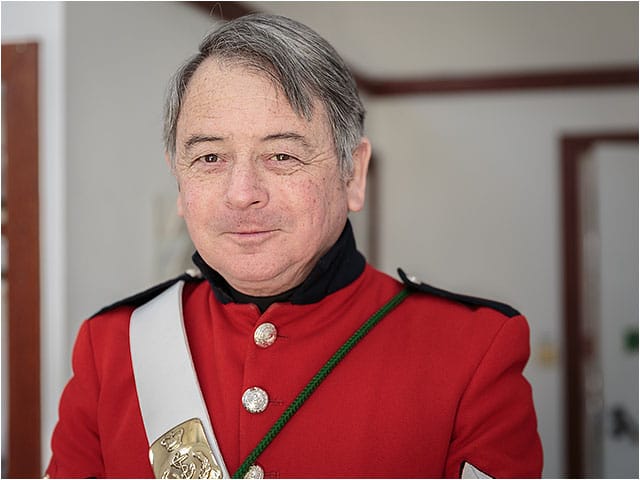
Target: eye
(210, 158)
(282, 157)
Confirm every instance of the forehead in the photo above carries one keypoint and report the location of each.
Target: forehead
(227, 95)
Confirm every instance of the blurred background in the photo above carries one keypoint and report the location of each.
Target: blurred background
(505, 166)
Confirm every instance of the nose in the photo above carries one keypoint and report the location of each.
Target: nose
(245, 187)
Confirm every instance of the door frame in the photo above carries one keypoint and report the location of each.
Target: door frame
(22, 273)
(573, 148)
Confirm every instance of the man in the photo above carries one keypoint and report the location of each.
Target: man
(251, 368)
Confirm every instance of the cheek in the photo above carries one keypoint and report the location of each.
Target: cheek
(190, 200)
(311, 198)
(323, 202)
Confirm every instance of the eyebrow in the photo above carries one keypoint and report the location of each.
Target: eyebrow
(196, 139)
(288, 136)
(199, 138)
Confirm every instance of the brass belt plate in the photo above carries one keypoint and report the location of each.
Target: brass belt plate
(184, 452)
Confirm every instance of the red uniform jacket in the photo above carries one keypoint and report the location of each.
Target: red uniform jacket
(435, 384)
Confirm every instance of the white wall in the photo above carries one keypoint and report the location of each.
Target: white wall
(43, 22)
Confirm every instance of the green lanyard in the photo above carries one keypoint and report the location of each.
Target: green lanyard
(306, 392)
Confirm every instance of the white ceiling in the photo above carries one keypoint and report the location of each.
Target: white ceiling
(417, 39)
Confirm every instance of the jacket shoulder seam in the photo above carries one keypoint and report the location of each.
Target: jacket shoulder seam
(145, 296)
(470, 301)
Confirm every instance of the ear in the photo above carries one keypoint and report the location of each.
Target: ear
(356, 186)
(173, 171)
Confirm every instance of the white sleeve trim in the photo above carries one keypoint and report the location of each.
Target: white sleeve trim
(470, 471)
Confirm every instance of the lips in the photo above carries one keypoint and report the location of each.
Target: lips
(250, 236)
(251, 228)
(256, 231)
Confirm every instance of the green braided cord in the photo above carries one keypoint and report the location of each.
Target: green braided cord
(316, 380)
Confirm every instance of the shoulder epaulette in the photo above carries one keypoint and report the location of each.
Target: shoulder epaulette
(413, 284)
(143, 297)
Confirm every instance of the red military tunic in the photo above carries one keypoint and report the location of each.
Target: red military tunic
(435, 384)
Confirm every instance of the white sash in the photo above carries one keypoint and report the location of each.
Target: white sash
(166, 382)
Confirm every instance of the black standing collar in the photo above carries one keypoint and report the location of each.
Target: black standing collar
(336, 269)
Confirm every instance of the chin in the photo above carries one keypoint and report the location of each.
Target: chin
(267, 279)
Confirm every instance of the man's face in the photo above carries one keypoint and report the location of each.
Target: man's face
(260, 187)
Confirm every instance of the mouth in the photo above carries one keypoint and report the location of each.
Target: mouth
(251, 235)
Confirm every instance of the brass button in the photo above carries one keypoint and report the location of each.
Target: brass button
(255, 471)
(265, 335)
(255, 400)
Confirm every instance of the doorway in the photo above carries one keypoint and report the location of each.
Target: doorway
(600, 223)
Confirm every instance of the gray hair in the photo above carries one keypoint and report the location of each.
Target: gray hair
(302, 63)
